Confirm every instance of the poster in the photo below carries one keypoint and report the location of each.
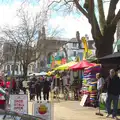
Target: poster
(43, 110)
(19, 103)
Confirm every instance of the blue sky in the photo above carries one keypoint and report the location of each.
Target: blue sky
(68, 23)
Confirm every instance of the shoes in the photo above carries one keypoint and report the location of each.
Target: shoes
(108, 115)
(115, 118)
(37, 101)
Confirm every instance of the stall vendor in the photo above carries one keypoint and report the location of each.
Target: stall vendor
(100, 83)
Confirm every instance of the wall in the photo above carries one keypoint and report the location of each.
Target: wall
(79, 52)
(71, 49)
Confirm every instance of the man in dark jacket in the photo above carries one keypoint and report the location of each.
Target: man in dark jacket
(112, 86)
(38, 87)
(32, 87)
(46, 89)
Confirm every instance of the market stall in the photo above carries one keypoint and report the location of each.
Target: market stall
(79, 68)
(81, 65)
(65, 66)
(89, 85)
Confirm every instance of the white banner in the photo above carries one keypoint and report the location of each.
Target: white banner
(19, 103)
(43, 110)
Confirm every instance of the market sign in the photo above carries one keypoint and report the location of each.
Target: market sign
(19, 103)
(43, 110)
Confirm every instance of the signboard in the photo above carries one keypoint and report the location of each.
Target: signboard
(42, 110)
(19, 103)
(84, 98)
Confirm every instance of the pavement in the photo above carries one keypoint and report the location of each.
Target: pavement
(69, 110)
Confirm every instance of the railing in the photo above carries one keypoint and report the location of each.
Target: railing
(18, 116)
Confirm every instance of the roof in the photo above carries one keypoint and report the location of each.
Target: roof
(110, 59)
(91, 43)
(73, 40)
(114, 55)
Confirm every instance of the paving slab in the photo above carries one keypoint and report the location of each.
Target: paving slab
(73, 111)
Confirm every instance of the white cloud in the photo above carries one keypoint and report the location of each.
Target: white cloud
(71, 25)
(8, 13)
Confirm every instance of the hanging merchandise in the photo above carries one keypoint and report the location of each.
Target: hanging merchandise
(89, 85)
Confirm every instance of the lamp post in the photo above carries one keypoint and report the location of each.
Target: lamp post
(14, 66)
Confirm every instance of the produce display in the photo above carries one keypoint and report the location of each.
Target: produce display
(89, 85)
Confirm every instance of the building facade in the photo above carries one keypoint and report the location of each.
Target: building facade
(74, 48)
(8, 51)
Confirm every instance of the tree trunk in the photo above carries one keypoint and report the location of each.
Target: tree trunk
(25, 69)
(104, 45)
(105, 48)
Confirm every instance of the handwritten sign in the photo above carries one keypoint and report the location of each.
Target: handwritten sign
(19, 103)
(43, 110)
(84, 98)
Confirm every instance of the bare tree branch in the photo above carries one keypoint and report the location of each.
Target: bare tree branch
(54, 2)
(116, 18)
(93, 20)
(80, 8)
(26, 33)
(111, 12)
(101, 15)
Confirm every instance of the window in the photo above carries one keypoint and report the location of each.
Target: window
(74, 53)
(16, 68)
(8, 67)
(12, 67)
(74, 44)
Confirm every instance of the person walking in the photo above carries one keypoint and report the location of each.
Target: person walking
(13, 86)
(32, 87)
(112, 85)
(46, 89)
(38, 87)
(25, 86)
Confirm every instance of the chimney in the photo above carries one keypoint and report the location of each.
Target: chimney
(87, 37)
(78, 38)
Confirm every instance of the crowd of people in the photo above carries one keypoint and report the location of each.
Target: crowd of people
(37, 86)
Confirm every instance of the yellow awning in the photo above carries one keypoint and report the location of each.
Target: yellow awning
(65, 66)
